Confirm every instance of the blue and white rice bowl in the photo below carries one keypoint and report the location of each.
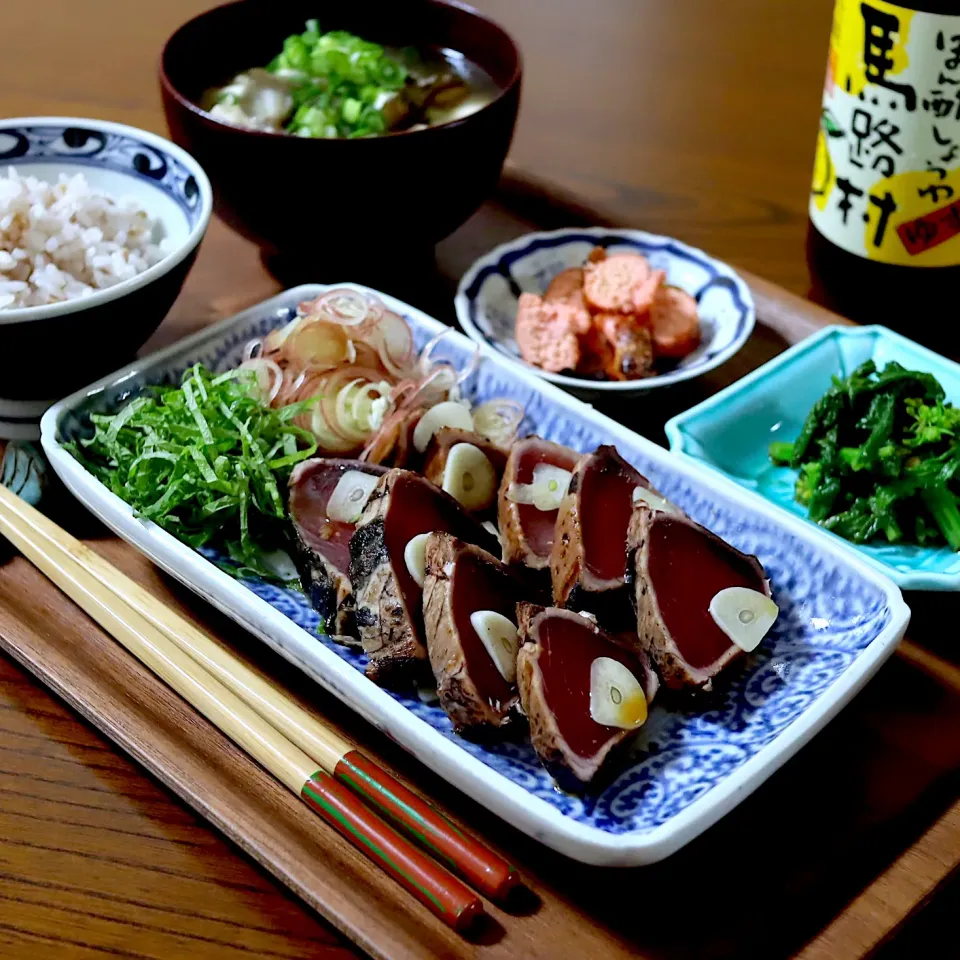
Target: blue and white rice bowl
(50, 349)
(489, 292)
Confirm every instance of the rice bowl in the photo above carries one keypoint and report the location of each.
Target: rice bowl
(97, 261)
(65, 240)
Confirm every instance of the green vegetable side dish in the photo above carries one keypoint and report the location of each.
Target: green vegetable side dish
(207, 462)
(335, 84)
(879, 457)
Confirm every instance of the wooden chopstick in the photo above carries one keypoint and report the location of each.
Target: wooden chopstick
(430, 883)
(479, 866)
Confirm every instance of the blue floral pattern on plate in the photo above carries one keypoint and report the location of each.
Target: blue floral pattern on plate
(88, 147)
(831, 611)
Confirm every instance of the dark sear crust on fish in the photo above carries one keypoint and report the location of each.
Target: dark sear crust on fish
(462, 579)
(727, 567)
(322, 546)
(389, 613)
(588, 559)
(327, 589)
(574, 765)
(526, 532)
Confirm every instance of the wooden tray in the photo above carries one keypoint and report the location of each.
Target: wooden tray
(825, 860)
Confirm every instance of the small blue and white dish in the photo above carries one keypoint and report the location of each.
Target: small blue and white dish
(839, 620)
(65, 344)
(487, 297)
(732, 431)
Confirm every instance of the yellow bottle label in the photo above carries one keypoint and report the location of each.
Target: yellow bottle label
(886, 178)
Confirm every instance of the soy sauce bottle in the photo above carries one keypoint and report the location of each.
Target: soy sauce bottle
(884, 235)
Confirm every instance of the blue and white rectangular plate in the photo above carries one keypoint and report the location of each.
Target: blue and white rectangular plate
(839, 621)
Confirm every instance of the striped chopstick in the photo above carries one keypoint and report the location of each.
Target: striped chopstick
(430, 883)
(480, 867)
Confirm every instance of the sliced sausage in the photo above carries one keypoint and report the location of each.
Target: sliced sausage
(644, 295)
(611, 285)
(675, 322)
(566, 292)
(566, 287)
(546, 338)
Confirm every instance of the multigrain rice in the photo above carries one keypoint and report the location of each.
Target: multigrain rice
(63, 240)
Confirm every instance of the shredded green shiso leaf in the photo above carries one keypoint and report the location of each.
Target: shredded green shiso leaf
(879, 457)
(207, 461)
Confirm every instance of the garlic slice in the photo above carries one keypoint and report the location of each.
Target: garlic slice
(446, 414)
(744, 615)
(469, 477)
(415, 557)
(616, 697)
(654, 501)
(350, 496)
(546, 492)
(499, 636)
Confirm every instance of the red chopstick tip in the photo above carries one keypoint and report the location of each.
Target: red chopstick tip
(483, 869)
(469, 915)
(505, 888)
(439, 891)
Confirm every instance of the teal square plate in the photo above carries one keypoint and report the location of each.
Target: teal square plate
(732, 431)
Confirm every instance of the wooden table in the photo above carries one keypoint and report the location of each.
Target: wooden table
(693, 118)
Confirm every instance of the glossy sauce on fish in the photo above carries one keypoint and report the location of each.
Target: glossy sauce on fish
(606, 504)
(308, 505)
(568, 648)
(538, 525)
(687, 569)
(480, 585)
(420, 508)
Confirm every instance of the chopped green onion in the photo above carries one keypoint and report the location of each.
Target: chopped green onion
(390, 74)
(350, 111)
(295, 53)
(336, 79)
